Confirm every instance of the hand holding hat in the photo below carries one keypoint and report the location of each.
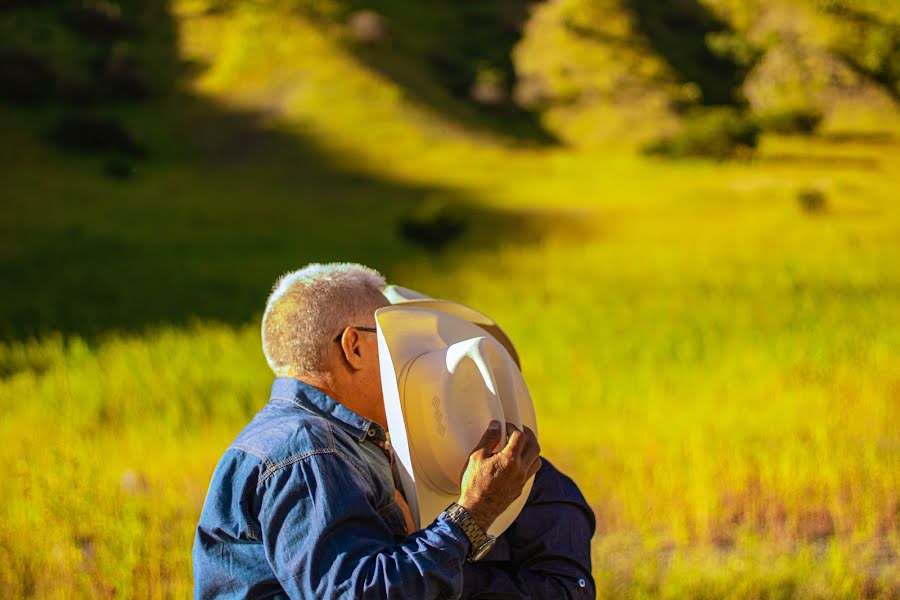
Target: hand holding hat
(492, 481)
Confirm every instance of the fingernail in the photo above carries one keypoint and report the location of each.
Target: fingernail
(494, 426)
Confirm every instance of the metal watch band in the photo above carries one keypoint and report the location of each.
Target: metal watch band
(476, 535)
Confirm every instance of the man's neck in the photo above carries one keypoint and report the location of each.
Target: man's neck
(323, 383)
(345, 395)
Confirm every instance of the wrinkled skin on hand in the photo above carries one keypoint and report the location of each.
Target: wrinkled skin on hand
(493, 480)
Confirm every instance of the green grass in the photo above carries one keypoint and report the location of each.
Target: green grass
(717, 368)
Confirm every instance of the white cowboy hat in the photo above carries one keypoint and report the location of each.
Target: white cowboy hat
(407, 297)
(444, 380)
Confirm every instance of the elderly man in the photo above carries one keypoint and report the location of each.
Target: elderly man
(305, 502)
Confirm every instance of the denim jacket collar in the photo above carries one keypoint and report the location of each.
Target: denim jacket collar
(314, 400)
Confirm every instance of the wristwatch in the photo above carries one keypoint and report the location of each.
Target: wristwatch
(481, 541)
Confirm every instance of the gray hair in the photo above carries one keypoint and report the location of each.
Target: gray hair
(308, 307)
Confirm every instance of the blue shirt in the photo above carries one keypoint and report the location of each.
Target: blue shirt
(302, 505)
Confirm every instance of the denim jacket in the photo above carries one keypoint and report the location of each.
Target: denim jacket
(302, 505)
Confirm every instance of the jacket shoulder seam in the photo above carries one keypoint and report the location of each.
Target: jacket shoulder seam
(253, 452)
(273, 468)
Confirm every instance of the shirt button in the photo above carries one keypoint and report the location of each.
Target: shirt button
(582, 583)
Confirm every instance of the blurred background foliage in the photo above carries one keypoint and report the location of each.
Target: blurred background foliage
(684, 212)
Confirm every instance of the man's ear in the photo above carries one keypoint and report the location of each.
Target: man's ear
(351, 348)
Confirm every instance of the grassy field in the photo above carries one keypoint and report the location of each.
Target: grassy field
(716, 363)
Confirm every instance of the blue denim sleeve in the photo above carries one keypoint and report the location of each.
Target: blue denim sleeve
(324, 538)
(549, 547)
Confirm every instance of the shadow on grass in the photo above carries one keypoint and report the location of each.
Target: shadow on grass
(679, 33)
(224, 202)
(442, 52)
(835, 161)
(872, 48)
(874, 138)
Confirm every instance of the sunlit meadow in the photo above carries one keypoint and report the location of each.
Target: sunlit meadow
(716, 365)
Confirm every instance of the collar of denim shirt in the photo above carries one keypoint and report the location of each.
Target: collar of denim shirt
(316, 401)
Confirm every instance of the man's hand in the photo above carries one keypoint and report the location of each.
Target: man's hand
(491, 480)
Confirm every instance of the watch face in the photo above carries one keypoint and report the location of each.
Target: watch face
(484, 549)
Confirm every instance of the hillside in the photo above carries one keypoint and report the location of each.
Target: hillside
(607, 70)
(140, 100)
(580, 72)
